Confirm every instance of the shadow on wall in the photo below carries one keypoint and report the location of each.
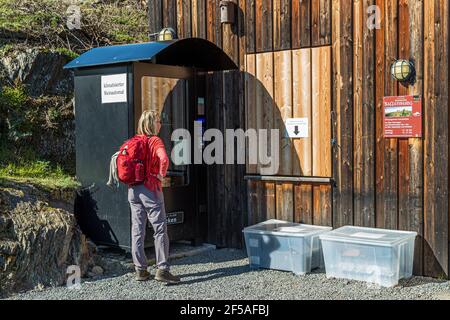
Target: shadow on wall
(229, 195)
(226, 113)
(431, 263)
(222, 111)
(85, 210)
(226, 186)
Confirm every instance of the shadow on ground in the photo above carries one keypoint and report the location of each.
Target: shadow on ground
(417, 281)
(215, 274)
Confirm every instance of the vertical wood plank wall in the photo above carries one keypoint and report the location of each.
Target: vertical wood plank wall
(392, 183)
(377, 182)
(435, 183)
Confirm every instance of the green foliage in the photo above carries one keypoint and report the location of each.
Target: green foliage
(41, 173)
(23, 167)
(36, 169)
(9, 153)
(5, 49)
(121, 37)
(24, 121)
(44, 22)
(12, 97)
(53, 114)
(23, 115)
(67, 52)
(13, 125)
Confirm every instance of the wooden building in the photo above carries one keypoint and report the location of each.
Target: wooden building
(318, 59)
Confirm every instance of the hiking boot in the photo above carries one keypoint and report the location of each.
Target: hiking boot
(142, 275)
(166, 276)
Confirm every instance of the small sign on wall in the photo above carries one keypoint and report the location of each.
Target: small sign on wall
(402, 117)
(201, 106)
(114, 88)
(297, 127)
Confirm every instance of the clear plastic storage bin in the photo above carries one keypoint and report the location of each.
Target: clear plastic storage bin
(368, 254)
(281, 245)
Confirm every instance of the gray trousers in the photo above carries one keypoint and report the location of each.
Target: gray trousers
(146, 204)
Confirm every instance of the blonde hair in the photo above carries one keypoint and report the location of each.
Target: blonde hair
(146, 124)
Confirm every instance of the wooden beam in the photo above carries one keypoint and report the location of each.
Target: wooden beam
(301, 101)
(301, 24)
(169, 12)
(230, 42)
(387, 205)
(264, 95)
(184, 19)
(285, 201)
(198, 9)
(303, 203)
(250, 103)
(325, 22)
(315, 22)
(250, 25)
(321, 111)
(410, 150)
(364, 116)
(252, 202)
(155, 16)
(289, 179)
(264, 25)
(269, 192)
(281, 24)
(322, 205)
(213, 25)
(436, 82)
(283, 106)
(342, 111)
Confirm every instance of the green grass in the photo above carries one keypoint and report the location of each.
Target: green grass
(23, 17)
(102, 23)
(121, 37)
(40, 173)
(69, 53)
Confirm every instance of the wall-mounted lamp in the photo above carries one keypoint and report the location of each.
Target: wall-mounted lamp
(403, 71)
(227, 9)
(166, 34)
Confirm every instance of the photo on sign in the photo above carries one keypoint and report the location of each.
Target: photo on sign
(403, 111)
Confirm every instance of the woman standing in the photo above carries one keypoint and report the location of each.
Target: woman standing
(147, 202)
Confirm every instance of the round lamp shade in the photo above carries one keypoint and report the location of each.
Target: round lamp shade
(402, 70)
(166, 34)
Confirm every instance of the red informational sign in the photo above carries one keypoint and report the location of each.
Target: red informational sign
(402, 117)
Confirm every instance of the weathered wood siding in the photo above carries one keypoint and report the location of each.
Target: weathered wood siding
(392, 183)
(377, 182)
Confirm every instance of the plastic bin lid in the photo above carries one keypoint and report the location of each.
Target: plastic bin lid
(285, 228)
(368, 235)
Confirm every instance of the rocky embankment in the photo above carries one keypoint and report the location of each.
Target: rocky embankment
(45, 118)
(39, 238)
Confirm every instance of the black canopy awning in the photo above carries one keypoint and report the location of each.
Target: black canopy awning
(189, 52)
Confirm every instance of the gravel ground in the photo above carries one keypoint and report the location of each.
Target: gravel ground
(225, 274)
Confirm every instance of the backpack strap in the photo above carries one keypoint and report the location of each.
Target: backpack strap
(113, 180)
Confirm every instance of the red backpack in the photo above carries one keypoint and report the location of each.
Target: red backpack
(131, 160)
